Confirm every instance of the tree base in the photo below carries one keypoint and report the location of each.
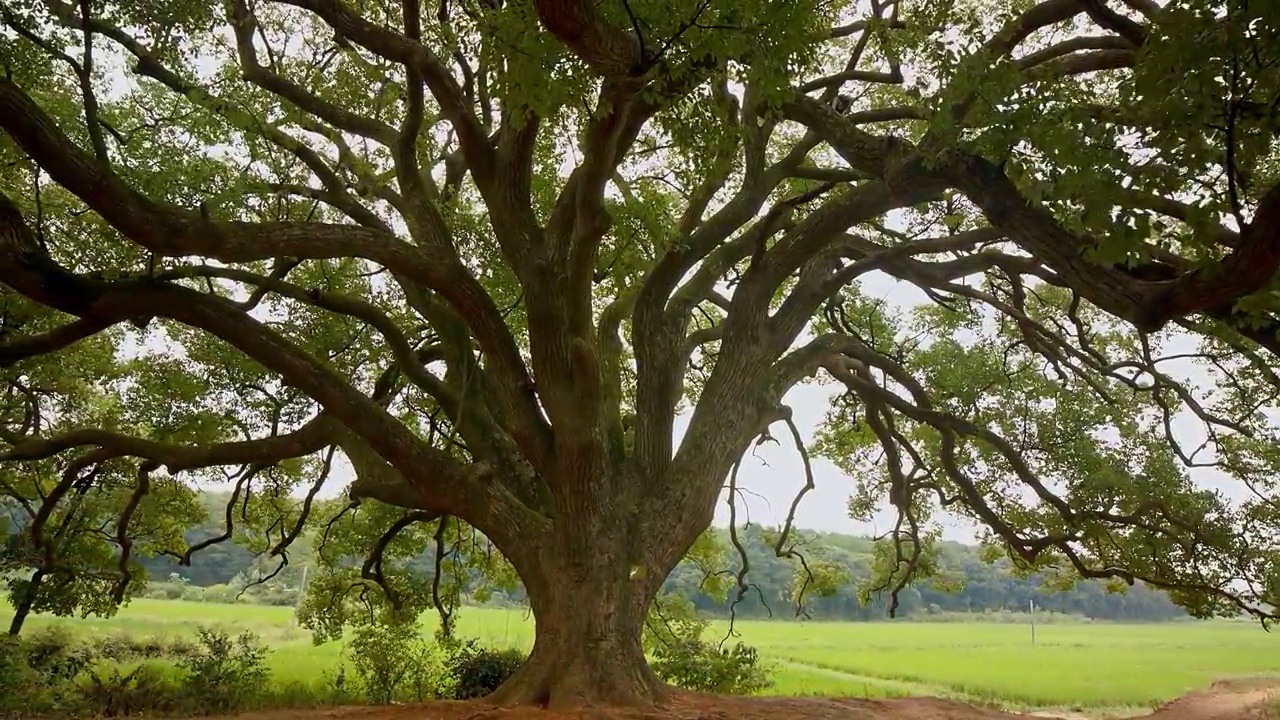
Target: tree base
(573, 680)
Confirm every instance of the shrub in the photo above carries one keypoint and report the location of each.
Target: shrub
(380, 657)
(337, 685)
(19, 684)
(123, 648)
(477, 671)
(224, 675)
(702, 666)
(219, 594)
(117, 647)
(114, 693)
(295, 694)
(55, 653)
(392, 661)
(37, 672)
(673, 635)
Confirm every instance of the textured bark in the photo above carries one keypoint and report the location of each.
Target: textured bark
(1246, 270)
(590, 582)
(587, 651)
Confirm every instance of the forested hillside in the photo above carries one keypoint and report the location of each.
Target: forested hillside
(772, 581)
(983, 587)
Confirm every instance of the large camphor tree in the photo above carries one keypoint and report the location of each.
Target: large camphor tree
(490, 250)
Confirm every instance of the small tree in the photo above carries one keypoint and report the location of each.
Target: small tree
(59, 560)
(490, 250)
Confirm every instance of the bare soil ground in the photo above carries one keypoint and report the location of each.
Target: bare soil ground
(1228, 700)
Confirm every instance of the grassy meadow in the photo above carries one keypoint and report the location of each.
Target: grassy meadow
(1085, 666)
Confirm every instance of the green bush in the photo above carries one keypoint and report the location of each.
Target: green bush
(224, 675)
(51, 672)
(146, 688)
(56, 654)
(383, 656)
(702, 666)
(37, 673)
(19, 684)
(477, 671)
(673, 636)
(123, 648)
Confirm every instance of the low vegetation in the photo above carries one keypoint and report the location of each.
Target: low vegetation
(65, 669)
(59, 672)
(1071, 664)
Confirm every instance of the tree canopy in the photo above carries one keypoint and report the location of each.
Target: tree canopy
(486, 251)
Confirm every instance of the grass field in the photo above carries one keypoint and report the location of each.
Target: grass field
(1072, 665)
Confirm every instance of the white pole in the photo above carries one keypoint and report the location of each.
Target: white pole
(1031, 607)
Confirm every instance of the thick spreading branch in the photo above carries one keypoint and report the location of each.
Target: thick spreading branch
(438, 480)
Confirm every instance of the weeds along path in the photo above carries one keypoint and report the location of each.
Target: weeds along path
(1232, 700)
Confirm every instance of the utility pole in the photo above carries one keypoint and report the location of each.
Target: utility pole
(1031, 609)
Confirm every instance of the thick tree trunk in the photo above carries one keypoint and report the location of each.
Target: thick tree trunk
(590, 599)
(587, 653)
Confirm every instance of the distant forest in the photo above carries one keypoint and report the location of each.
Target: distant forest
(985, 588)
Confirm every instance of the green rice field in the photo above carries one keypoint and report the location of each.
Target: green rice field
(1085, 666)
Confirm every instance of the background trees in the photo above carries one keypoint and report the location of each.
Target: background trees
(487, 251)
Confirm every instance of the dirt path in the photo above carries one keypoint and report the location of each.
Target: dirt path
(1228, 700)
(1231, 700)
(896, 687)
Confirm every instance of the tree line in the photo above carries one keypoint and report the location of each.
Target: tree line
(965, 583)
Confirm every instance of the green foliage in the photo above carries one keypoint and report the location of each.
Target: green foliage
(706, 667)
(285, 174)
(674, 636)
(55, 671)
(956, 578)
(144, 689)
(476, 670)
(56, 654)
(341, 595)
(23, 688)
(395, 662)
(224, 674)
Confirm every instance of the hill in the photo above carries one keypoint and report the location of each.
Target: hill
(983, 587)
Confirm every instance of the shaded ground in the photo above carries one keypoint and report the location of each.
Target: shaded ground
(1229, 700)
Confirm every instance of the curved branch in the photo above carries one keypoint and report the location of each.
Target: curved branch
(1111, 20)
(170, 231)
(439, 481)
(245, 25)
(612, 52)
(372, 567)
(394, 46)
(59, 338)
(309, 438)
(123, 540)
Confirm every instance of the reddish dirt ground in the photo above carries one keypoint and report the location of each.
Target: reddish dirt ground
(1230, 700)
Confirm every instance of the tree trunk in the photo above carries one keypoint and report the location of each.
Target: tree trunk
(586, 654)
(23, 608)
(589, 606)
